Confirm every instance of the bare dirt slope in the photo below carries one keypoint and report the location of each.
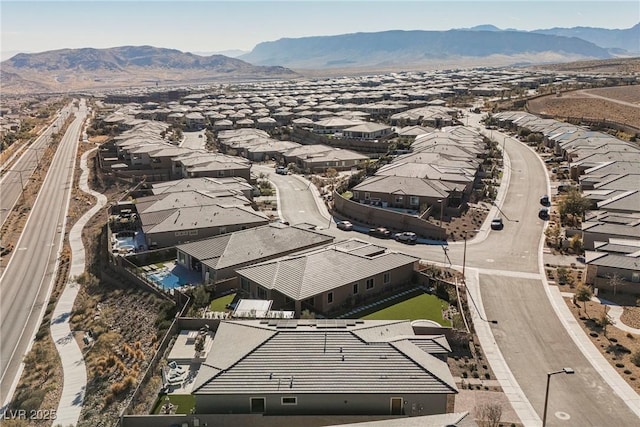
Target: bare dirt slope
(620, 104)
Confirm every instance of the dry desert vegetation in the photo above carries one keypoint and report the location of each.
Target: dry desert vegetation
(592, 104)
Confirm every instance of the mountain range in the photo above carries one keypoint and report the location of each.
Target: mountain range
(88, 68)
(416, 47)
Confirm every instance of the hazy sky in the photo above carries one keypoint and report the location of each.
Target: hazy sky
(206, 26)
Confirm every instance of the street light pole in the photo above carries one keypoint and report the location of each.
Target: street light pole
(546, 395)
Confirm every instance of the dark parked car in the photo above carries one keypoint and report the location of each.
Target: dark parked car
(497, 224)
(380, 232)
(408, 237)
(344, 225)
(543, 214)
(545, 201)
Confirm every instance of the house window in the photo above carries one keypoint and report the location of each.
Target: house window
(262, 293)
(414, 201)
(398, 199)
(289, 400)
(244, 284)
(258, 405)
(355, 194)
(369, 283)
(220, 173)
(330, 298)
(367, 196)
(355, 288)
(386, 278)
(222, 230)
(181, 258)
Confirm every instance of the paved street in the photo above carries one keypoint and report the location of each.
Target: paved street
(529, 333)
(24, 166)
(26, 283)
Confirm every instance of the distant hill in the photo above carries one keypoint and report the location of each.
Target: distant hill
(415, 47)
(627, 39)
(87, 68)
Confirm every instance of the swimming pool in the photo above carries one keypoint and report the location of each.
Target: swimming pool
(166, 280)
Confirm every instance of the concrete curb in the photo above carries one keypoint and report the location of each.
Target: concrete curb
(580, 339)
(73, 366)
(508, 382)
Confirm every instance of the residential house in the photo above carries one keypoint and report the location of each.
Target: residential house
(368, 131)
(218, 257)
(327, 278)
(617, 257)
(172, 218)
(327, 367)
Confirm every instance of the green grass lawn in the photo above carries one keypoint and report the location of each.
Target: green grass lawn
(423, 306)
(220, 304)
(183, 403)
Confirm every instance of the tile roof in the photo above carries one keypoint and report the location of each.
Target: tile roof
(406, 186)
(307, 357)
(303, 276)
(252, 245)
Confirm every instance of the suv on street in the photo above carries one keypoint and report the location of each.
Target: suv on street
(281, 170)
(545, 201)
(497, 224)
(344, 225)
(543, 214)
(380, 232)
(408, 237)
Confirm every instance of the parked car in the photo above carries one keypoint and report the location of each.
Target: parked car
(281, 170)
(545, 201)
(543, 214)
(497, 224)
(380, 232)
(408, 237)
(344, 225)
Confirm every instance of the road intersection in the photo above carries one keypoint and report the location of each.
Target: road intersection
(504, 272)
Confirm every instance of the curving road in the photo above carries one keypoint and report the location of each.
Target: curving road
(27, 281)
(529, 333)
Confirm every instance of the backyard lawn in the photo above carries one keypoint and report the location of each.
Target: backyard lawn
(423, 306)
(220, 304)
(183, 403)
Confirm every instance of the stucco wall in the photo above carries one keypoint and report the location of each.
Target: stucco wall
(374, 216)
(325, 404)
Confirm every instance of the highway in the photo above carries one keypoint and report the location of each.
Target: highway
(529, 334)
(24, 166)
(27, 281)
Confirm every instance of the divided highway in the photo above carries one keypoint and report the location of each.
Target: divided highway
(26, 282)
(24, 166)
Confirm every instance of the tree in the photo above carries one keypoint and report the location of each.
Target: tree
(200, 296)
(307, 314)
(574, 204)
(576, 244)
(489, 414)
(199, 345)
(604, 320)
(615, 280)
(564, 276)
(584, 294)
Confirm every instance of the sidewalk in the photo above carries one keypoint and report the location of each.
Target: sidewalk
(73, 367)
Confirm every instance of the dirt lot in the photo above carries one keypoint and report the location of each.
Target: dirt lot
(576, 104)
(620, 93)
(613, 66)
